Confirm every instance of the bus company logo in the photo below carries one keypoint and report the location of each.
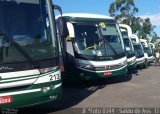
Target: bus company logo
(107, 67)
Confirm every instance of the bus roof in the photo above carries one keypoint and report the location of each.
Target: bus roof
(135, 37)
(123, 30)
(152, 44)
(85, 17)
(127, 27)
(144, 42)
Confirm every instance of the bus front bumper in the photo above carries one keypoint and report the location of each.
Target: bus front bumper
(151, 59)
(141, 64)
(93, 75)
(33, 95)
(132, 66)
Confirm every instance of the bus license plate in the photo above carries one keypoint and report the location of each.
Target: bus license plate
(5, 100)
(107, 73)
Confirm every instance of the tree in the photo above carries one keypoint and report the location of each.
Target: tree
(136, 24)
(154, 37)
(146, 29)
(123, 11)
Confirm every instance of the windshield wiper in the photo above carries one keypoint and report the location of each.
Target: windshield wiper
(19, 48)
(139, 53)
(115, 52)
(104, 40)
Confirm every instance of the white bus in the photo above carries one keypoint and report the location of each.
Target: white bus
(94, 47)
(139, 52)
(147, 50)
(131, 58)
(29, 55)
(153, 47)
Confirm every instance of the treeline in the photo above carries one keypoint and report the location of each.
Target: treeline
(124, 12)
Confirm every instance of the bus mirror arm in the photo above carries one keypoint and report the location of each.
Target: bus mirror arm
(62, 24)
(56, 7)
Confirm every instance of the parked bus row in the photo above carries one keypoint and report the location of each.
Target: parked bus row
(97, 47)
(87, 47)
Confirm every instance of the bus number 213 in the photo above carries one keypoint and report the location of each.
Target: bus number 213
(54, 77)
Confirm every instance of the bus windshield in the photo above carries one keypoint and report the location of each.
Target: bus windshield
(149, 51)
(138, 50)
(128, 46)
(98, 39)
(27, 24)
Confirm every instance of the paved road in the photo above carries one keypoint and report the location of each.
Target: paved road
(141, 91)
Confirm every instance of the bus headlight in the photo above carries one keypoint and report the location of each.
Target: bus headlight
(86, 66)
(123, 63)
(45, 89)
(132, 61)
(89, 66)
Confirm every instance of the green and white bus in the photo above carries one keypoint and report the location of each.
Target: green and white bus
(147, 50)
(94, 47)
(139, 52)
(153, 47)
(29, 54)
(126, 34)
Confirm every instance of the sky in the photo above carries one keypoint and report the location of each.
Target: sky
(147, 8)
